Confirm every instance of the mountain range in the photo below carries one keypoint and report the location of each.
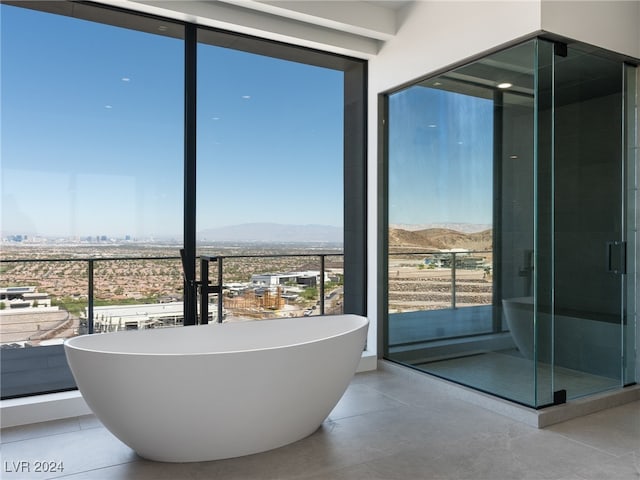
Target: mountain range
(458, 227)
(467, 237)
(272, 233)
(440, 239)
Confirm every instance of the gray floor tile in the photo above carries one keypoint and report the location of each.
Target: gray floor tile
(35, 430)
(615, 430)
(481, 457)
(626, 467)
(361, 399)
(77, 451)
(89, 421)
(389, 425)
(404, 387)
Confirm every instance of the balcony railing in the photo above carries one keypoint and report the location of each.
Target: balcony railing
(434, 280)
(44, 300)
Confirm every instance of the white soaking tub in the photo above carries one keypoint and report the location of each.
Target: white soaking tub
(217, 391)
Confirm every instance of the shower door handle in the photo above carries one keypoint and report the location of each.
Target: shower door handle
(617, 263)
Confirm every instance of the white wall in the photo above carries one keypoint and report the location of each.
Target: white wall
(610, 24)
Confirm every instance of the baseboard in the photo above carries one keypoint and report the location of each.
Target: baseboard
(368, 362)
(42, 408)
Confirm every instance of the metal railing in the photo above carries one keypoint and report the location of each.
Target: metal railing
(205, 288)
(203, 285)
(442, 261)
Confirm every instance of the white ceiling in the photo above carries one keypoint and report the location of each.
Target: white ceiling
(351, 27)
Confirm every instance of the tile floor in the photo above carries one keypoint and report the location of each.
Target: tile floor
(393, 423)
(512, 377)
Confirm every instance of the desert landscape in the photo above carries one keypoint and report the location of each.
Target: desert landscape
(421, 273)
(139, 274)
(429, 269)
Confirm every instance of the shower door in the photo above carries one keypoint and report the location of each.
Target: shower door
(590, 244)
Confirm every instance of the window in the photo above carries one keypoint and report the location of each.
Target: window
(99, 169)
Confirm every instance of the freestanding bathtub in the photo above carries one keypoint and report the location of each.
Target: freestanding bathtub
(220, 390)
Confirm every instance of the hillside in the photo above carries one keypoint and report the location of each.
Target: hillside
(440, 239)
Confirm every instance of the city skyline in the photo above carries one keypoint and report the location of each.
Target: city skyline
(262, 232)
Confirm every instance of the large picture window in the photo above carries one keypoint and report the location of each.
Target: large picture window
(110, 178)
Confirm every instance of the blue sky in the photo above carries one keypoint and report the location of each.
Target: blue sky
(440, 157)
(269, 139)
(92, 133)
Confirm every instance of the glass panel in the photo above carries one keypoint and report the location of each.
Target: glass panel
(632, 216)
(42, 301)
(270, 180)
(542, 333)
(92, 162)
(251, 295)
(136, 294)
(589, 258)
(461, 224)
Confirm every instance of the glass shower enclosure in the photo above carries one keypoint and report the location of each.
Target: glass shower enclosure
(511, 208)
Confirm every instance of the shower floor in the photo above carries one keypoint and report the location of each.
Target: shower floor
(511, 376)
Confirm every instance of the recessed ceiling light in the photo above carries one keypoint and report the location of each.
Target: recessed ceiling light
(437, 84)
(505, 85)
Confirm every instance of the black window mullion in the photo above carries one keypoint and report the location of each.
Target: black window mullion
(189, 242)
